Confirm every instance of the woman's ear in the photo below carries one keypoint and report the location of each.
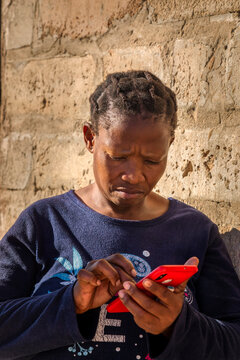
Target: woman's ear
(89, 136)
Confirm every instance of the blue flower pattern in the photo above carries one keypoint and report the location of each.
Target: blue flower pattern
(77, 349)
(68, 278)
(72, 270)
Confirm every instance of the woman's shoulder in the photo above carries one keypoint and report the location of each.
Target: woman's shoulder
(184, 211)
(45, 205)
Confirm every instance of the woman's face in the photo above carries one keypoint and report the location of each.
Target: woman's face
(129, 158)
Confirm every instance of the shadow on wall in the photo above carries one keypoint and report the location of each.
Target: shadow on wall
(232, 242)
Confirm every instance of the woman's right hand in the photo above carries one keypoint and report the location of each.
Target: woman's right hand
(100, 281)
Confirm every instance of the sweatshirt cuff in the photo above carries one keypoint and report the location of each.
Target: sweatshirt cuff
(88, 322)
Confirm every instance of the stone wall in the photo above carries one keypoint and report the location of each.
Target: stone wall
(56, 52)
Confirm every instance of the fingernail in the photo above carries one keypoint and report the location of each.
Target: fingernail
(171, 288)
(126, 285)
(118, 282)
(121, 294)
(133, 272)
(147, 283)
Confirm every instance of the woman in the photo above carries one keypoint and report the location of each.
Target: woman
(66, 256)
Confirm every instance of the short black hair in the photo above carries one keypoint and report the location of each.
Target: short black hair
(131, 93)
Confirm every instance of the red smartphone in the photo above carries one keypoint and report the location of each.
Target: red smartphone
(168, 275)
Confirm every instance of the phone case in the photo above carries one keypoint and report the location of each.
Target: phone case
(168, 275)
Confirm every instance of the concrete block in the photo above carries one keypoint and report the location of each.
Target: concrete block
(233, 72)
(81, 18)
(204, 164)
(14, 202)
(224, 214)
(170, 10)
(230, 118)
(11, 205)
(138, 58)
(16, 164)
(60, 164)
(229, 17)
(37, 124)
(55, 88)
(202, 73)
(194, 117)
(137, 33)
(189, 60)
(19, 17)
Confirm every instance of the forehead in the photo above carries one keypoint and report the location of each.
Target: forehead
(127, 132)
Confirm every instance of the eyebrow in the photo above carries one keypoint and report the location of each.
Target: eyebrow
(126, 153)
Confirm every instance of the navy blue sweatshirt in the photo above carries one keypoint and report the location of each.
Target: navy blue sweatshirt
(54, 238)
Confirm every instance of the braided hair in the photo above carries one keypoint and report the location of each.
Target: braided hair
(131, 93)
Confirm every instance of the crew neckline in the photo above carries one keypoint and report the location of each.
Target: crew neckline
(172, 203)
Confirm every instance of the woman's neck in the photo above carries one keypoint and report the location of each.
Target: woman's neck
(151, 207)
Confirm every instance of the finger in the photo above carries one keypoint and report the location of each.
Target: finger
(146, 315)
(131, 304)
(180, 288)
(122, 262)
(88, 278)
(147, 321)
(124, 276)
(170, 302)
(146, 310)
(84, 290)
(142, 299)
(192, 261)
(103, 269)
(165, 295)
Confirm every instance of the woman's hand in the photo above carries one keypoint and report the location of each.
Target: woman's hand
(155, 317)
(100, 280)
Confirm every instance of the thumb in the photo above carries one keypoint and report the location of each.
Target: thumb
(191, 261)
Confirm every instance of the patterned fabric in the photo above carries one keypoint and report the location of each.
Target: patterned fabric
(54, 238)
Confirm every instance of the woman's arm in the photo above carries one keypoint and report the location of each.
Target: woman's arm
(213, 331)
(30, 324)
(37, 323)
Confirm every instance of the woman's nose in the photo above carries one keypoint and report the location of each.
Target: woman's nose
(133, 175)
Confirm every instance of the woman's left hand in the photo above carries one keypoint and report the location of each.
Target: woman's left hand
(155, 317)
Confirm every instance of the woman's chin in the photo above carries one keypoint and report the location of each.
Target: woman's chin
(121, 198)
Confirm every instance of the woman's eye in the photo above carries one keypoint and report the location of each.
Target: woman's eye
(153, 162)
(117, 158)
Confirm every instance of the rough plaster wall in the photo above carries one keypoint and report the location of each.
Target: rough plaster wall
(56, 52)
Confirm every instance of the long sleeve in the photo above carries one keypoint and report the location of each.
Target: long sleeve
(31, 324)
(54, 238)
(199, 337)
(213, 330)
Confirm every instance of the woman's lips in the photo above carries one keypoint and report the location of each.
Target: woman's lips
(129, 194)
